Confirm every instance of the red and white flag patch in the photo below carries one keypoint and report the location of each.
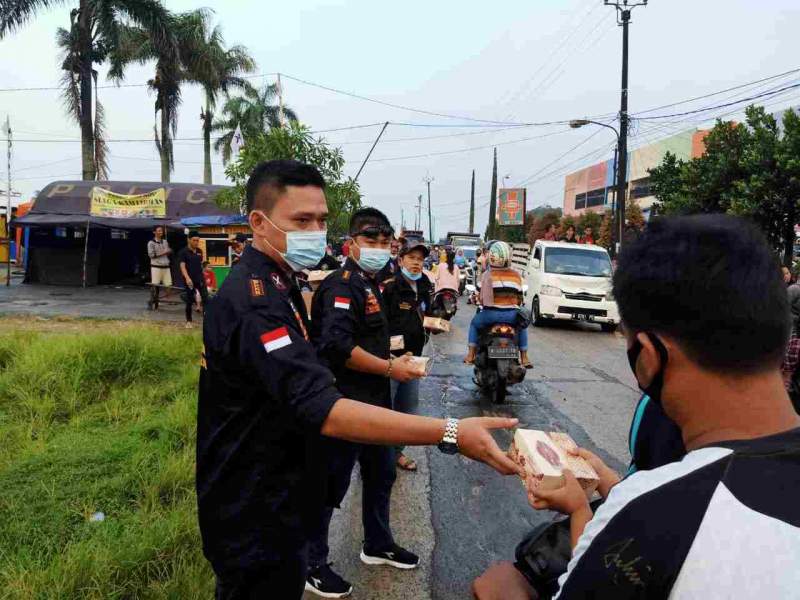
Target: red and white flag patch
(276, 339)
(341, 302)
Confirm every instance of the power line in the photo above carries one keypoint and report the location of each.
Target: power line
(710, 95)
(412, 109)
(537, 137)
(741, 101)
(575, 147)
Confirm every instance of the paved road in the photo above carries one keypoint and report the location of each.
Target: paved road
(457, 515)
(461, 516)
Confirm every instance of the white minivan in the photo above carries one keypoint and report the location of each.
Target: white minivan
(571, 281)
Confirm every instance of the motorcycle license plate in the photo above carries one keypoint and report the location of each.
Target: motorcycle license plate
(503, 352)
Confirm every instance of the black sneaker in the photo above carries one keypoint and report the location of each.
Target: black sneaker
(394, 556)
(323, 581)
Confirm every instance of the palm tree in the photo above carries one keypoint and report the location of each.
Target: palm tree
(255, 112)
(190, 30)
(93, 38)
(219, 70)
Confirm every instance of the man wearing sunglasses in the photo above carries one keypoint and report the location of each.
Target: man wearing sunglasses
(266, 403)
(350, 329)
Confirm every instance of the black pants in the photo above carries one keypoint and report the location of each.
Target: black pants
(284, 581)
(190, 298)
(378, 473)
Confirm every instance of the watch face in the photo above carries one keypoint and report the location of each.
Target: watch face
(448, 447)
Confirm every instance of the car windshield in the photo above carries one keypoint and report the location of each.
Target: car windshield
(577, 261)
(469, 253)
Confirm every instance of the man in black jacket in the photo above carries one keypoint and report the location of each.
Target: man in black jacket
(408, 299)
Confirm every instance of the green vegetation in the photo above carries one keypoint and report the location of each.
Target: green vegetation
(750, 169)
(98, 417)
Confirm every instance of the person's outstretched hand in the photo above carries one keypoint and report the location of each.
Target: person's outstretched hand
(608, 476)
(476, 442)
(568, 499)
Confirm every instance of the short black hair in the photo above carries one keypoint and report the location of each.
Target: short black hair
(712, 283)
(192, 234)
(368, 217)
(276, 175)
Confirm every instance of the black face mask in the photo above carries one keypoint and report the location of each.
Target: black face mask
(654, 389)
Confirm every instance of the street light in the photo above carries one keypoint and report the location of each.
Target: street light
(619, 196)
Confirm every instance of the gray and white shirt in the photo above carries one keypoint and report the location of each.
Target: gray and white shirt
(154, 249)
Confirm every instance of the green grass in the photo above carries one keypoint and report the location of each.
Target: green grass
(99, 417)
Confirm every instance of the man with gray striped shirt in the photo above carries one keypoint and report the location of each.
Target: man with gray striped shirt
(159, 251)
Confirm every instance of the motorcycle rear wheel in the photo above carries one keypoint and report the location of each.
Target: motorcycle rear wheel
(499, 391)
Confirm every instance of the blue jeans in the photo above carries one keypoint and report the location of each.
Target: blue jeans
(490, 316)
(405, 399)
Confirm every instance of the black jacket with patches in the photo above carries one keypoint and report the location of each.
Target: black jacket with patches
(406, 309)
(263, 397)
(348, 311)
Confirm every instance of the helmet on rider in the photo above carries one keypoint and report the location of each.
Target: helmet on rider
(499, 255)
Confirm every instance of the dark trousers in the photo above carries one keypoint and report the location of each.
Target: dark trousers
(190, 298)
(286, 581)
(378, 473)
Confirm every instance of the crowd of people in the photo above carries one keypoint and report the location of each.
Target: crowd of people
(289, 402)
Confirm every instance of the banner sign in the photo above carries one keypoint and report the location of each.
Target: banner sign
(511, 206)
(122, 206)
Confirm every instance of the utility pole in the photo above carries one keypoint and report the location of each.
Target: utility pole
(8, 202)
(428, 179)
(281, 116)
(418, 216)
(490, 228)
(402, 218)
(472, 204)
(623, 19)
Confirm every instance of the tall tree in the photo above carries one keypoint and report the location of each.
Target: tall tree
(190, 32)
(750, 169)
(296, 142)
(255, 112)
(472, 204)
(93, 38)
(491, 228)
(220, 72)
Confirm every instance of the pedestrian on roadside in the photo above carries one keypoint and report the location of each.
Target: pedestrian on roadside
(392, 266)
(238, 245)
(408, 300)
(569, 236)
(266, 404)
(448, 274)
(588, 235)
(160, 276)
(328, 262)
(190, 260)
(210, 278)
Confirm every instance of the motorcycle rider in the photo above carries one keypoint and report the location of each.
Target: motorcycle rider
(501, 298)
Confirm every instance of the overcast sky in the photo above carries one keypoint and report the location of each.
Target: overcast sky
(510, 61)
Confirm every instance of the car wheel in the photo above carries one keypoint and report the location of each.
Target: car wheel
(536, 320)
(608, 327)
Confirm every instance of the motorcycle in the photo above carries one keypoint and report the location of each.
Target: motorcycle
(444, 304)
(469, 273)
(462, 280)
(497, 360)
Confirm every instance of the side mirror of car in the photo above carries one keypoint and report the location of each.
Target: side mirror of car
(536, 263)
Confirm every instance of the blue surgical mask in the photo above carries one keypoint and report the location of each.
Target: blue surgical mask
(409, 275)
(304, 249)
(373, 260)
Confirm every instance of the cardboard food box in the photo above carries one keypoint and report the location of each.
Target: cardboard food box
(423, 362)
(316, 277)
(544, 457)
(436, 324)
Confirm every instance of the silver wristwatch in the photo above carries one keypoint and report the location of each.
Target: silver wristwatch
(449, 443)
